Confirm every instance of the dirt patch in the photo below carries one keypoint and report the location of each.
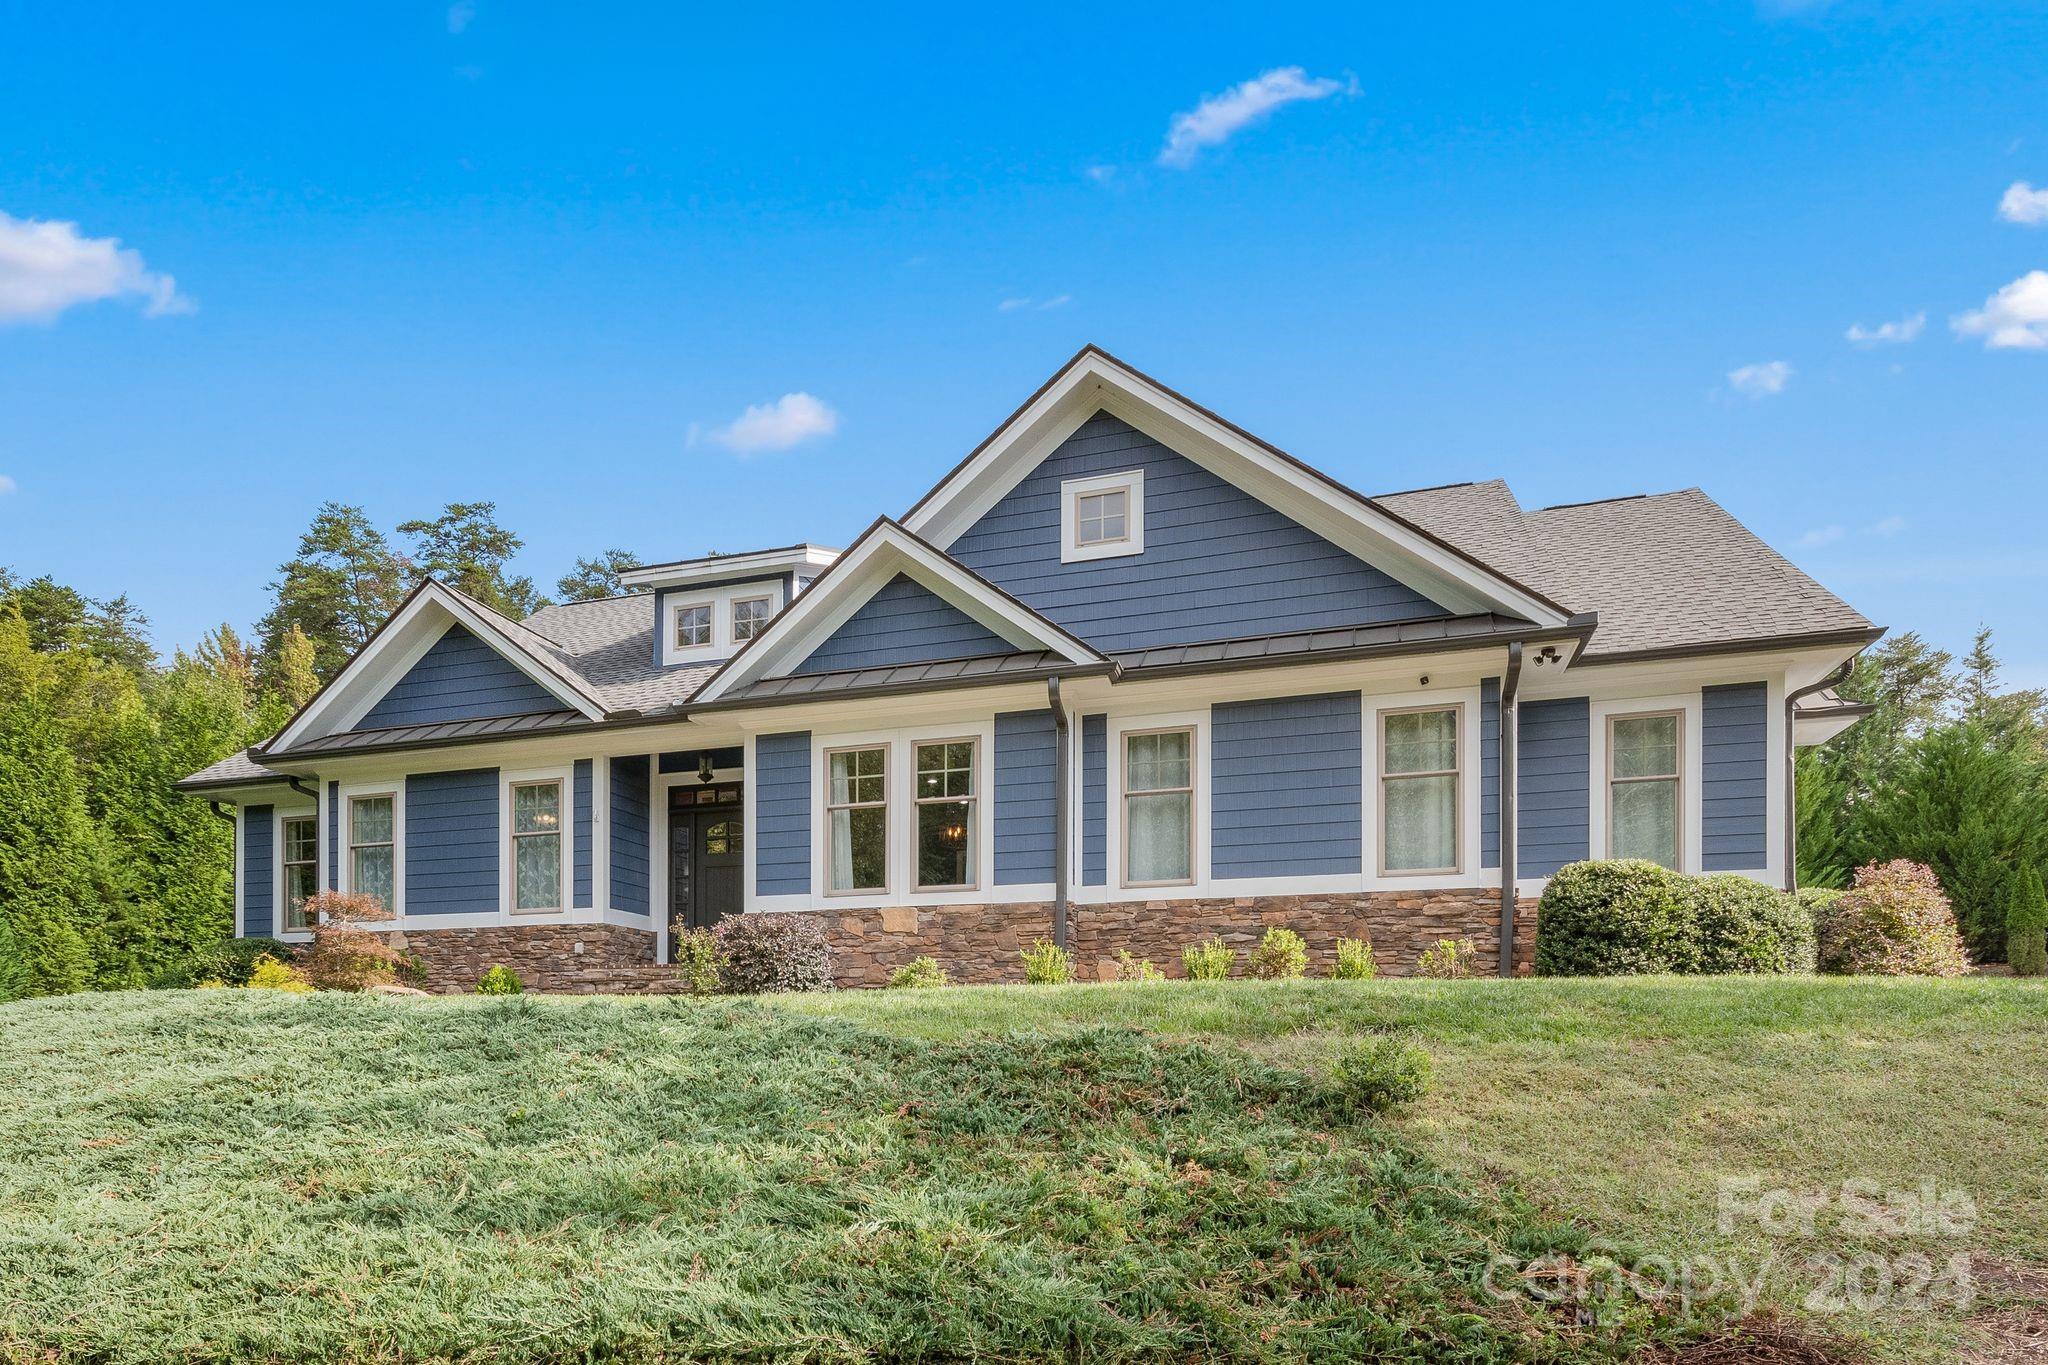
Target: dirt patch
(2008, 1336)
(1759, 1339)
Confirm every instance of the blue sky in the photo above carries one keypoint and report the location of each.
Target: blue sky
(550, 256)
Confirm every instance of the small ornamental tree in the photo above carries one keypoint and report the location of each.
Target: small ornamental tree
(348, 955)
(1894, 921)
(2026, 926)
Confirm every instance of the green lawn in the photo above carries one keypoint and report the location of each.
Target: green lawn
(237, 1175)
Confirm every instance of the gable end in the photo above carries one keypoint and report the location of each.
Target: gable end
(458, 678)
(904, 622)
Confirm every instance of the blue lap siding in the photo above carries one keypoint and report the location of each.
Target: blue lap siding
(1094, 800)
(451, 843)
(1286, 787)
(1023, 783)
(580, 809)
(629, 831)
(782, 814)
(1553, 754)
(460, 678)
(1217, 562)
(1735, 747)
(258, 917)
(905, 622)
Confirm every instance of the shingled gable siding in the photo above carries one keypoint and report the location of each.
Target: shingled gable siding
(1217, 562)
(460, 678)
(1553, 753)
(580, 813)
(629, 831)
(451, 843)
(1094, 800)
(1489, 772)
(257, 914)
(1286, 787)
(1023, 785)
(905, 622)
(1735, 740)
(782, 814)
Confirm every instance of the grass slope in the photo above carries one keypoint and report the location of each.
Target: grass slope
(239, 1175)
(1626, 1101)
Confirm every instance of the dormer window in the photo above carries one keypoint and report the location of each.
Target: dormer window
(693, 625)
(1102, 517)
(749, 614)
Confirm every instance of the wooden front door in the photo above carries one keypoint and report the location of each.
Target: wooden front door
(706, 842)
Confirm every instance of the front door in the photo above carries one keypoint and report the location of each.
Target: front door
(706, 841)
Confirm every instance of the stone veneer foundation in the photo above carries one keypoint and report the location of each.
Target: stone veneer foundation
(980, 943)
(571, 958)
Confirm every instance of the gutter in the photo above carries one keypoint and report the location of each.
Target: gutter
(1862, 639)
(1062, 806)
(1510, 685)
(1833, 679)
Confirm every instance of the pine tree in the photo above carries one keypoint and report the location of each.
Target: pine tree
(2026, 926)
(465, 548)
(595, 579)
(342, 584)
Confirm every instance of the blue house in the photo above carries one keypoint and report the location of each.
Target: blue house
(1128, 676)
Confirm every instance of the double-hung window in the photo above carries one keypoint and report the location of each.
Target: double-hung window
(1159, 807)
(857, 819)
(537, 845)
(693, 625)
(1419, 791)
(1643, 802)
(371, 851)
(749, 614)
(945, 802)
(301, 870)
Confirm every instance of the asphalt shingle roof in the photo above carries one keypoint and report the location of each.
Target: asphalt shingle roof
(1663, 571)
(609, 644)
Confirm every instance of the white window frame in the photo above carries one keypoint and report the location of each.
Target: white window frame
(977, 851)
(1197, 810)
(1132, 483)
(765, 600)
(508, 880)
(902, 888)
(344, 832)
(279, 882)
(1382, 777)
(1679, 843)
(1691, 763)
(1471, 816)
(675, 626)
(888, 807)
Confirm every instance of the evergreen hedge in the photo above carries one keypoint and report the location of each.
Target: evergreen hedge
(1628, 916)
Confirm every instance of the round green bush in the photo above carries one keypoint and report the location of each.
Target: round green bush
(1613, 919)
(1741, 925)
(919, 973)
(1280, 956)
(500, 980)
(1376, 1076)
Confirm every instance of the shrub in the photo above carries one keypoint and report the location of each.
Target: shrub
(1611, 919)
(918, 974)
(1373, 1077)
(346, 954)
(229, 962)
(271, 975)
(1280, 956)
(1208, 961)
(695, 957)
(1047, 964)
(1449, 960)
(1130, 968)
(500, 980)
(2026, 926)
(1355, 960)
(773, 951)
(1741, 925)
(1894, 921)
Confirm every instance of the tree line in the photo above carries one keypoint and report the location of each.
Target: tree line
(108, 876)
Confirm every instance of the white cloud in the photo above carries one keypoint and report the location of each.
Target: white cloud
(1019, 305)
(1218, 117)
(2024, 204)
(789, 421)
(459, 15)
(1760, 380)
(7, 485)
(47, 267)
(1887, 526)
(1821, 535)
(1887, 333)
(2015, 318)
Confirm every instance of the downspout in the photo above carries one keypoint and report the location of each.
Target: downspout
(215, 807)
(1792, 700)
(1509, 685)
(1062, 742)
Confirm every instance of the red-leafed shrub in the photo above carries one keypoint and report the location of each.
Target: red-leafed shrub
(347, 955)
(773, 951)
(1894, 921)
